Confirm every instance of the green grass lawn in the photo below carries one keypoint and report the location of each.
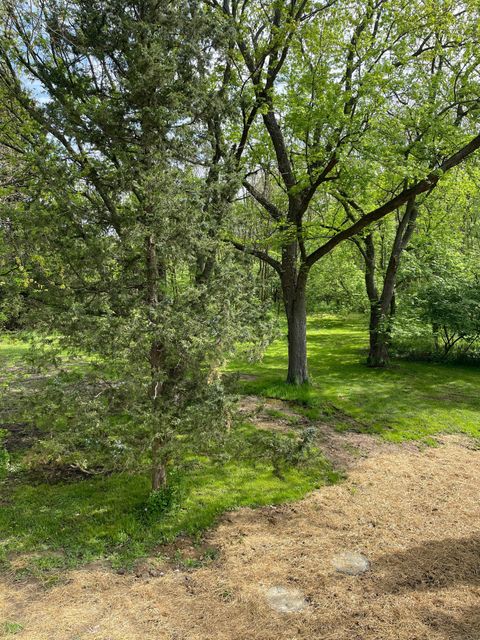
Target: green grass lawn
(45, 528)
(409, 400)
(64, 525)
(12, 351)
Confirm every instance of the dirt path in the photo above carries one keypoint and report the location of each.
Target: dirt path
(414, 514)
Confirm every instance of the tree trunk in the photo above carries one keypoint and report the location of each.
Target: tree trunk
(435, 332)
(380, 323)
(294, 296)
(159, 477)
(155, 278)
(383, 306)
(297, 344)
(159, 466)
(378, 351)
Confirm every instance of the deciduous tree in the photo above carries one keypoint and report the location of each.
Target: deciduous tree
(337, 87)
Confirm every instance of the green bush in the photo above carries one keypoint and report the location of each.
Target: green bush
(443, 322)
(282, 451)
(161, 502)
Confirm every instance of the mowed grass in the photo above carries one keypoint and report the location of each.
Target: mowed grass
(407, 401)
(12, 351)
(47, 528)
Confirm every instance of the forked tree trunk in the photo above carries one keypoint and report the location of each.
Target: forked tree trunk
(378, 348)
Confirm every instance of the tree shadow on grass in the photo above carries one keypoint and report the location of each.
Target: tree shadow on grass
(408, 399)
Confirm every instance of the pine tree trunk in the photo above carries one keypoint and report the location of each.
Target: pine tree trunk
(159, 466)
(155, 278)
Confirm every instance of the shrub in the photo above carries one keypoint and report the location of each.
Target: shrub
(161, 501)
(452, 308)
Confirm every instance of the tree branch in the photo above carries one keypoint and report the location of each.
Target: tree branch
(258, 254)
(427, 184)
(262, 200)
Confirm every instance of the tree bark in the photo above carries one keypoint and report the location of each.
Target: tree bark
(159, 465)
(294, 298)
(378, 351)
(436, 342)
(383, 307)
(155, 278)
(159, 477)
(297, 341)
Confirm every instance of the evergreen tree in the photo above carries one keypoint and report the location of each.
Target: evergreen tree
(122, 91)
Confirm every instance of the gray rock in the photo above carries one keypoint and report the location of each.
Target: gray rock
(351, 563)
(286, 599)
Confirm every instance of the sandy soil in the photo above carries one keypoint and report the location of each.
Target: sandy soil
(414, 514)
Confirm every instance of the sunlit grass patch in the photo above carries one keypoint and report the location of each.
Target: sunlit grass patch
(409, 400)
(12, 350)
(47, 528)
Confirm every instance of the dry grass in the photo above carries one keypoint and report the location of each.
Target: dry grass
(415, 515)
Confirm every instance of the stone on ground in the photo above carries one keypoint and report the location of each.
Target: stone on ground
(286, 599)
(351, 563)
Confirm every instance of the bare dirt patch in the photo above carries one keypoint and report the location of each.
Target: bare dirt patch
(344, 449)
(271, 414)
(415, 515)
(20, 435)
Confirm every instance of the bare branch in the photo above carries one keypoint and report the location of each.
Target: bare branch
(262, 255)
(262, 200)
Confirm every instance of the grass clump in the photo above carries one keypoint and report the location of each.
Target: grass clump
(11, 628)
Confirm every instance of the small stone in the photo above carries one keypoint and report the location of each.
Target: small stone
(94, 629)
(351, 563)
(286, 600)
